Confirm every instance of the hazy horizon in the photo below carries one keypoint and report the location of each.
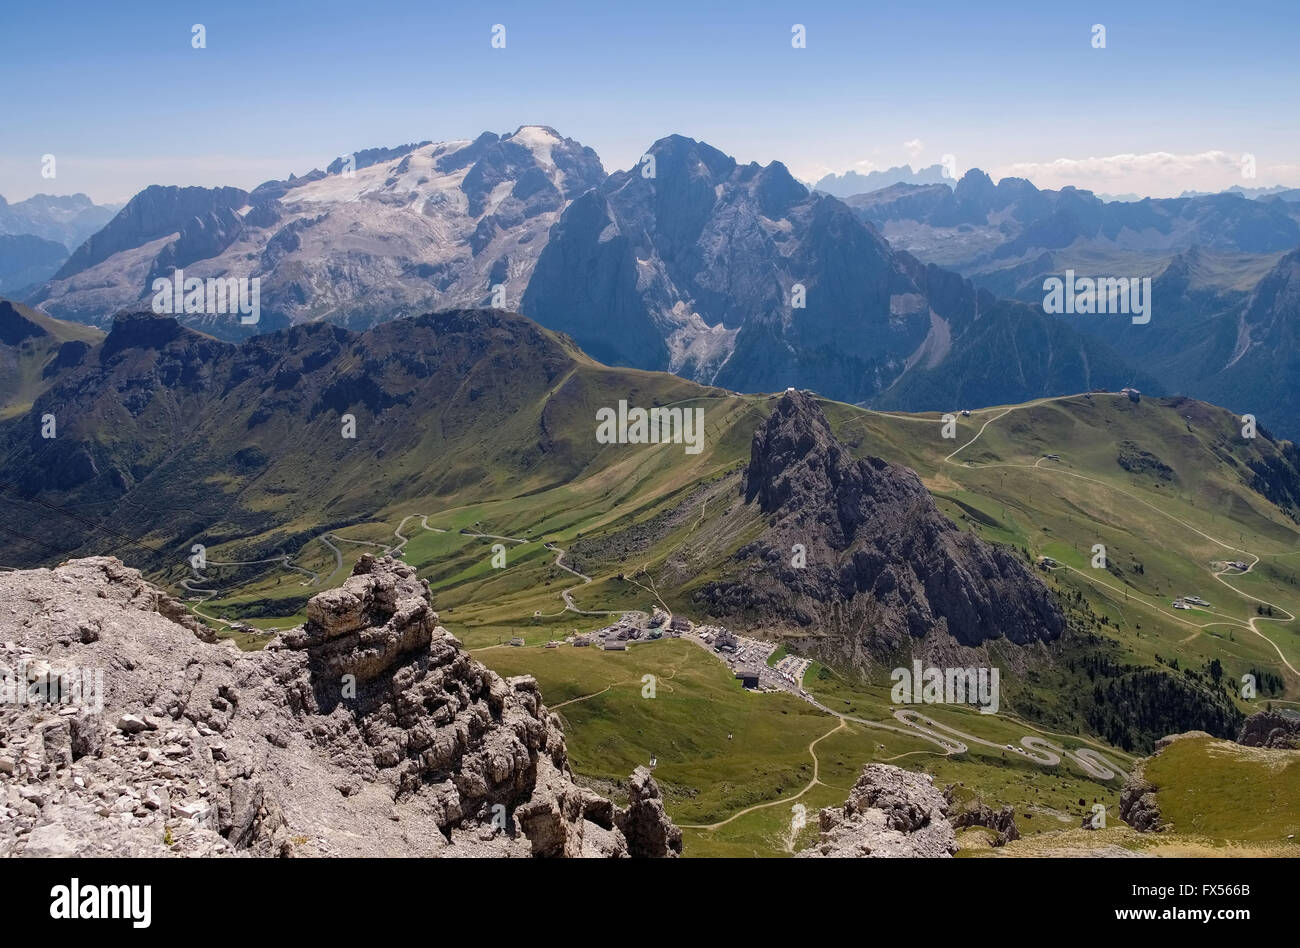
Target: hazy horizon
(1209, 172)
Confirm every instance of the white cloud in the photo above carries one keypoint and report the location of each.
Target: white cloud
(810, 173)
(914, 148)
(1157, 173)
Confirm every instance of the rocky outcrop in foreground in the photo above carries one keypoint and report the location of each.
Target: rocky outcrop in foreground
(890, 812)
(1137, 804)
(1271, 729)
(369, 731)
(1002, 821)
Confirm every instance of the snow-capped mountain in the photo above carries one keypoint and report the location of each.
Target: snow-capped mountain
(726, 273)
(393, 232)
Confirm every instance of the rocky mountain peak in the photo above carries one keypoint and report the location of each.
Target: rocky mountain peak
(777, 190)
(364, 628)
(677, 154)
(800, 469)
(793, 455)
(694, 270)
(878, 553)
(155, 212)
(975, 185)
(142, 330)
(1016, 187)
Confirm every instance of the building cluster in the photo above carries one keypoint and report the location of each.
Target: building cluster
(741, 656)
(722, 640)
(630, 628)
(633, 626)
(624, 630)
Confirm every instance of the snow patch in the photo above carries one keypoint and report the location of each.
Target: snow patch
(539, 140)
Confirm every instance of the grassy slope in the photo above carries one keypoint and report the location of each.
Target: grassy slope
(1220, 799)
(1222, 791)
(23, 380)
(1176, 529)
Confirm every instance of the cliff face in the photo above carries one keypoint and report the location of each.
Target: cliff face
(692, 267)
(883, 564)
(368, 731)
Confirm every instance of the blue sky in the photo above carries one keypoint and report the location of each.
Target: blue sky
(118, 95)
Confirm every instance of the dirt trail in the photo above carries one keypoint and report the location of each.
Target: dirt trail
(759, 806)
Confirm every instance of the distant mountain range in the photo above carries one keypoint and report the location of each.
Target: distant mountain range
(38, 234)
(1277, 190)
(727, 274)
(979, 226)
(1222, 267)
(735, 275)
(851, 182)
(68, 219)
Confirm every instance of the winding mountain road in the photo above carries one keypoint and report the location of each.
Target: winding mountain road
(1036, 749)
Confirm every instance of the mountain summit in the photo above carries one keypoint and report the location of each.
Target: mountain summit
(882, 564)
(735, 275)
(394, 232)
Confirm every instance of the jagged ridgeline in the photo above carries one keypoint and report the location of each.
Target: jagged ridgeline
(855, 551)
(393, 232)
(691, 262)
(914, 296)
